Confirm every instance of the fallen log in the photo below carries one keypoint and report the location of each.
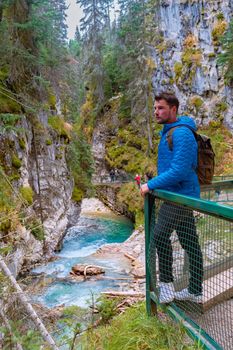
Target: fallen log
(129, 257)
(124, 294)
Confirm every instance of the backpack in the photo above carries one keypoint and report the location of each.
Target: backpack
(205, 162)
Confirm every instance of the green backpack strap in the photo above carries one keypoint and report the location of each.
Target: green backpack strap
(169, 137)
(170, 132)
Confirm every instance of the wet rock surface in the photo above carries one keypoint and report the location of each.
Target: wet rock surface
(85, 270)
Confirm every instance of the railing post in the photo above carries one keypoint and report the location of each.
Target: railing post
(151, 307)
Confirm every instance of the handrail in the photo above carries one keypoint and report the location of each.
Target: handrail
(218, 210)
(225, 184)
(210, 208)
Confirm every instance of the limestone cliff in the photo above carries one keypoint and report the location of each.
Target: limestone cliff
(185, 56)
(40, 151)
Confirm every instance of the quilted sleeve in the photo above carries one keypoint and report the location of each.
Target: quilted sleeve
(183, 161)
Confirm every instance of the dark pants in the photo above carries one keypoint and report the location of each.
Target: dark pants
(174, 217)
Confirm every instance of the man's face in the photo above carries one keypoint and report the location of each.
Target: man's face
(164, 114)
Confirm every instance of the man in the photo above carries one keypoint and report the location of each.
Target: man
(176, 173)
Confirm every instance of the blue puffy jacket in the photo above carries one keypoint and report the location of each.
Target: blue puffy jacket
(176, 167)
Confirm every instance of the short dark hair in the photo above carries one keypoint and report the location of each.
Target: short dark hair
(170, 98)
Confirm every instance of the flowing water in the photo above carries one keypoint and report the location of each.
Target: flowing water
(80, 243)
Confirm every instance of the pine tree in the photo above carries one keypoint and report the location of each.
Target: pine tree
(35, 33)
(91, 26)
(77, 35)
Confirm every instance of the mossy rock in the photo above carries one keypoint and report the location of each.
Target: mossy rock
(16, 162)
(218, 31)
(196, 102)
(49, 142)
(220, 16)
(5, 226)
(27, 194)
(178, 70)
(52, 101)
(219, 110)
(212, 55)
(60, 126)
(77, 194)
(14, 177)
(22, 143)
(7, 105)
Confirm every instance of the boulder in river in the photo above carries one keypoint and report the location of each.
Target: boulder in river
(86, 270)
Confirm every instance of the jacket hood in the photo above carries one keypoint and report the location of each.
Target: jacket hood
(182, 120)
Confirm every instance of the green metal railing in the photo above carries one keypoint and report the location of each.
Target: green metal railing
(222, 177)
(214, 223)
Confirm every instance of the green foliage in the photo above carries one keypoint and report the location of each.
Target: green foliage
(191, 58)
(77, 194)
(27, 194)
(6, 197)
(212, 55)
(196, 102)
(4, 251)
(135, 330)
(52, 101)
(22, 143)
(16, 162)
(219, 110)
(8, 122)
(116, 76)
(107, 308)
(75, 48)
(36, 228)
(81, 164)
(177, 70)
(7, 104)
(33, 42)
(49, 142)
(30, 340)
(129, 196)
(220, 16)
(127, 151)
(58, 124)
(71, 324)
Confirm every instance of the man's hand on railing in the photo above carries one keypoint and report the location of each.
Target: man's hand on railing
(144, 189)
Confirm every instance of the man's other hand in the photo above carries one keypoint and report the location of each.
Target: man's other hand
(144, 189)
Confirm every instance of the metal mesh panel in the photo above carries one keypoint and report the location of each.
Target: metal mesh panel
(194, 251)
(221, 192)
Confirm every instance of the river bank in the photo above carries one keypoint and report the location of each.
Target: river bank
(85, 245)
(130, 253)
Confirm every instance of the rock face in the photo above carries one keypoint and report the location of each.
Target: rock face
(133, 249)
(185, 57)
(108, 195)
(43, 168)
